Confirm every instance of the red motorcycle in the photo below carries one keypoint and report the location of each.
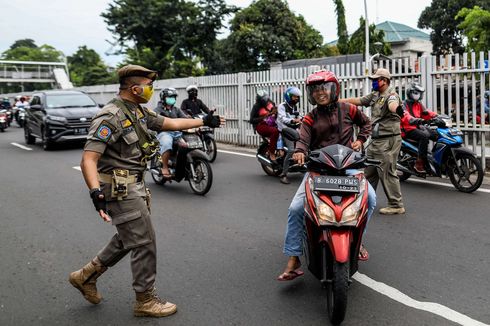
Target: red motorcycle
(336, 209)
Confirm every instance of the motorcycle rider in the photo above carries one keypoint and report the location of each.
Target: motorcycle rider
(285, 118)
(192, 105)
(322, 127)
(21, 104)
(262, 118)
(166, 107)
(413, 124)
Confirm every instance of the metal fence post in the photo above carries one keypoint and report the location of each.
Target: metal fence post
(242, 109)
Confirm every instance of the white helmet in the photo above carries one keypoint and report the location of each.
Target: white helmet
(191, 87)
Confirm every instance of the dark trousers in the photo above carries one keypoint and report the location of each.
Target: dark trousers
(422, 135)
(268, 131)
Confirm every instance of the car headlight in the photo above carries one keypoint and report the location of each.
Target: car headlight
(56, 118)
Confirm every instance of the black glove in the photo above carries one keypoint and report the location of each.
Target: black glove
(418, 121)
(438, 122)
(211, 120)
(98, 199)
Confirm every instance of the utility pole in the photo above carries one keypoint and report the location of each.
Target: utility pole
(366, 57)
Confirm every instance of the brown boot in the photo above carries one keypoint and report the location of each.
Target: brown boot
(84, 280)
(148, 304)
(419, 166)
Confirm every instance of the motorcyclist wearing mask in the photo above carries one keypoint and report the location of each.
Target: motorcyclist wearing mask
(166, 107)
(414, 124)
(285, 118)
(192, 105)
(330, 122)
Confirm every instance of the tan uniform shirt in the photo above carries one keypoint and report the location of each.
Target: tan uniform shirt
(113, 135)
(379, 102)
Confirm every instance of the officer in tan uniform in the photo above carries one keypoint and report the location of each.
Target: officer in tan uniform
(386, 111)
(113, 165)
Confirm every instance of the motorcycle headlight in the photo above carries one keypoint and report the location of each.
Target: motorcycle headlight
(323, 211)
(56, 118)
(351, 213)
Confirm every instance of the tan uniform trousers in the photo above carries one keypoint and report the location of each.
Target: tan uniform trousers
(135, 234)
(386, 150)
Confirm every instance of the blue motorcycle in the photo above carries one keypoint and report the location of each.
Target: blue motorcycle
(448, 158)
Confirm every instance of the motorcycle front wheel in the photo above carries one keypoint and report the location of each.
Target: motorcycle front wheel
(202, 178)
(337, 293)
(211, 149)
(469, 176)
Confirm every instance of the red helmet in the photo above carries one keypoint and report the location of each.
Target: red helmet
(325, 78)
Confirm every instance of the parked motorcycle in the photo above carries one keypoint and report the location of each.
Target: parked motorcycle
(4, 122)
(336, 209)
(187, 162)
(209, 143)
(275, 168)
(448, 158)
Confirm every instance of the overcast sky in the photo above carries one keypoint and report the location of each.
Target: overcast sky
(67, 24)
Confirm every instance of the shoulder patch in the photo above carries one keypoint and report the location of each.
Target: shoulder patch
(104, 131)
(393, 98)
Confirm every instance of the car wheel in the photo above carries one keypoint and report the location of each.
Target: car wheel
(47, 144)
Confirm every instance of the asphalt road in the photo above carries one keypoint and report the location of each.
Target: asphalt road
(219, 255)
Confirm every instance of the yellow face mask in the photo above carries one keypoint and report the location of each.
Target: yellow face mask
(147, 92)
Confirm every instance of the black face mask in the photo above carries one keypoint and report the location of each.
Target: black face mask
(192, 95)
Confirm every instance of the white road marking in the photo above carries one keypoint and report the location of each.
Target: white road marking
(442, 184)
(409, 180)
(22, 146)
(77, 168)
(235, 153)
(431, 307)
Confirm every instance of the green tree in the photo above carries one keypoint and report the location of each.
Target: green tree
(343, 36)
(446, 36)
(476, 27)
(358, 40)
(172, 37)
(87, 68)
(27, 42)
(267, 31)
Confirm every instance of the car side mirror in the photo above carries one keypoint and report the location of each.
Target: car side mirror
(36, 107)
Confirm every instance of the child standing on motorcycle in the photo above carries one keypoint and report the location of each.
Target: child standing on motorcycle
(414, 124)
(330, 122)
(166, 107)
(262, 118)
(287, 119)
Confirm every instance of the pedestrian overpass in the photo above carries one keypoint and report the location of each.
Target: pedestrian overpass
(55, 73)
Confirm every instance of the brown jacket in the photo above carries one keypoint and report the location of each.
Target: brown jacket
(321, 127)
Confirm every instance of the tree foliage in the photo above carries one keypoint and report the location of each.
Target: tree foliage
(357, 42)
(268, 31)
(87, 68)
(172, 37)
(476, 27)
(441, 18)
(343, 36)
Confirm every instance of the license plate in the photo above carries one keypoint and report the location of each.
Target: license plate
(80, 131)
(193, 141)
(336, 183)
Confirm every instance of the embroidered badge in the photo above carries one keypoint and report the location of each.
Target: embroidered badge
(104, 132)
(392, 98)
(126, 123)
(140, 114)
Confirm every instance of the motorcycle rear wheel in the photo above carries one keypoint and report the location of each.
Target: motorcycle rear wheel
(337, 293)
(471, 176)
(211, 149)
(203, 179)
(268, 169)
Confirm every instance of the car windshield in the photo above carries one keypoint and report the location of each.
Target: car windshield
(69, 101)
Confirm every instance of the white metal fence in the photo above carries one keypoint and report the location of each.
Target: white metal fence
(455, 85)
